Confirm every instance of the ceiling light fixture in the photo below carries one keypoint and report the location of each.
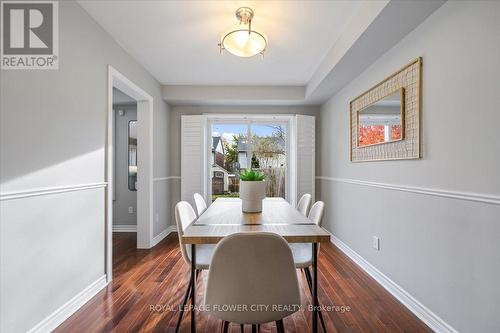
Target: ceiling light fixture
(243, 41)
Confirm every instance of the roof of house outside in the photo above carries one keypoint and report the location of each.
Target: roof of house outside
(243, 147)
(216, 167)
(215, 141)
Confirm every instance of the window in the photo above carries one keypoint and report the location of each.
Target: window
(257, 144)
(214, 148)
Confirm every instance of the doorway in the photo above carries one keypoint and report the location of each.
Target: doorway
(139, 165)
(125, 163)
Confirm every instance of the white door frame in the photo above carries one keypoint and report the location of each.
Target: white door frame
(145, 164)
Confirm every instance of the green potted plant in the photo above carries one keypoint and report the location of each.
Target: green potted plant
(252, 190)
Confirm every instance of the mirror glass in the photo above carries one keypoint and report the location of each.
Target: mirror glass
(382, 121)
(132, 155)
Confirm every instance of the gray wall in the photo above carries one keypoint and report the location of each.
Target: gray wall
(443, 251)
(123, 197)
(52, 134)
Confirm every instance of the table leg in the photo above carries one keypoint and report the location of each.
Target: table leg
(315, 288)
(193, 288)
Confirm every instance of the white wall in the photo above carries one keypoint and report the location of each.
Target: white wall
(443, 251)
(123, 196)
(52, 135)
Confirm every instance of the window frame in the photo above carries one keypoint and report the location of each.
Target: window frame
(260, 119)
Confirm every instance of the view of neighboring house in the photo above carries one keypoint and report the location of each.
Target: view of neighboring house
(267, 156)
(265, 153)
(243, 155)
(219, 174)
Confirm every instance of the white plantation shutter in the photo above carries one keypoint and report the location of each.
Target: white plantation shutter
(193, 157)
(305, 155)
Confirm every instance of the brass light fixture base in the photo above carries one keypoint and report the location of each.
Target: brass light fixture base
(244, 15)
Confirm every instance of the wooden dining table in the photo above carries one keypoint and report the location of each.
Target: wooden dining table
(225, 217)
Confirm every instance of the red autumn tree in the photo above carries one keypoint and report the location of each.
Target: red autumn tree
(369, 135)
(396, 132)
(372, 134)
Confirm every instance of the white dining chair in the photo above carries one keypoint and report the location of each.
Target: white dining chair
(304, 203)
(200, 204)
(302, 252)
(249, 274)
(184, 216)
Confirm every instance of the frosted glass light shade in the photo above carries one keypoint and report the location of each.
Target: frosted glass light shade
(244, 43)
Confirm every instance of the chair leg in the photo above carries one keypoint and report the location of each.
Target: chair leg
(309, 282)
(225, 326)
(279, 326)
(181, 310)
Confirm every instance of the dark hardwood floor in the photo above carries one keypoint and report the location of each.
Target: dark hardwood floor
(147, 278)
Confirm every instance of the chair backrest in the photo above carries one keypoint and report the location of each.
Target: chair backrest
(184, 216)
(200, 203)
(304, 203)
(254, 270)
(316, 213)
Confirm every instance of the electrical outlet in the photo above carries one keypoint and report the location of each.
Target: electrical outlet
(376, 243)
(131, 210)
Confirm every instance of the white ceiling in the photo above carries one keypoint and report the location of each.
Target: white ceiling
(176, 41)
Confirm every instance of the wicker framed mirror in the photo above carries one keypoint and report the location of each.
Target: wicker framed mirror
(385, 120)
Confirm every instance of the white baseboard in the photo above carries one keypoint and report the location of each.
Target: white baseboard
(124, 228)
(65, 311)
(158, 238)
(421, 311)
